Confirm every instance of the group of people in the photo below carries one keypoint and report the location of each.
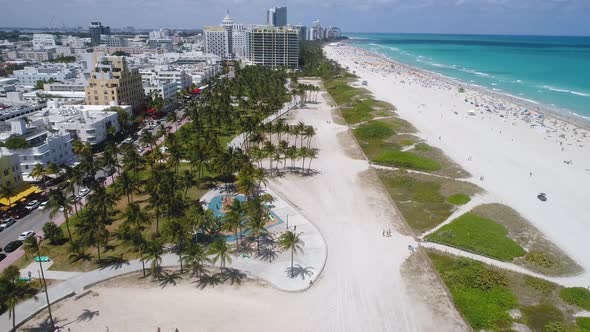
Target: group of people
(387, 233)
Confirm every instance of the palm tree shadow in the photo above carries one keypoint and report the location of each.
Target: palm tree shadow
(87, 315)
(299, 271)
(168, 279)
(233, 275)
(112, 262)
(208, 280)
(267, 253)
(44, 326)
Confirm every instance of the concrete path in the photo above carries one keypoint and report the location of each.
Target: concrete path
(33, 269)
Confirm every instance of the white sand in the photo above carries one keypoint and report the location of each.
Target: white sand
(503, 146)
(361, 288)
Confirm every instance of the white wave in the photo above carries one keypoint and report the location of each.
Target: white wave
(577, 93)
(494, 84)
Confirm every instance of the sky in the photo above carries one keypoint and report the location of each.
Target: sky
(541, 17)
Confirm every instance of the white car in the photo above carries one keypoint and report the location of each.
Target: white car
(43, 205)
(7, 223)
(25, 235)
(84, 191)
(32, 205)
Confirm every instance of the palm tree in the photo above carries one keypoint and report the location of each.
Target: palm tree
(257, 220)
(187, 181)
(53, 169)
(221, 251)
(14, 290)
(33, 245)
(92, 230)
(311, 154)
(153, 252)
(232, 222)
(291, 241)
(57, 202)
(7, 191)
(126, 185)
(74, 179)
(147, 138)
(39, 171)
(177, 231)
(195, 258)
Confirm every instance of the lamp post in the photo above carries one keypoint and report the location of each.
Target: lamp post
(38, 240)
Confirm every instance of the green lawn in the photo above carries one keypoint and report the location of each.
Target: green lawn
(374, 130)
(408, 160)
(459, 199)
(578, 296)
(341, 92)
(359, 112)
(583, 324)
(480, 235)
(480, 293)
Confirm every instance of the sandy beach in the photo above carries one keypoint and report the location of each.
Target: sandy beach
(369, 283)
(512, 153)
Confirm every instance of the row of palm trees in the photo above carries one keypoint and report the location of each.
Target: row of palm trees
(150, 205)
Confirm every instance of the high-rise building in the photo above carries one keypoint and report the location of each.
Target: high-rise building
(273, 46)
(96, 29)
(113, 82)
(227, 24)
(216, 41)
(276, 16)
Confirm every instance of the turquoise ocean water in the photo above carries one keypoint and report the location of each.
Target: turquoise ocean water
(553, 71)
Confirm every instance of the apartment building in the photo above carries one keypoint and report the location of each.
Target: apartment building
(273, 46)
(112, 82)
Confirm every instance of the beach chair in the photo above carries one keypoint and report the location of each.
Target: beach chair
(43, 259)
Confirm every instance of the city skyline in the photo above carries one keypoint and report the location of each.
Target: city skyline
(535, 17)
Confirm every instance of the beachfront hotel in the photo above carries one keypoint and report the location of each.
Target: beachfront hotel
(273, 46)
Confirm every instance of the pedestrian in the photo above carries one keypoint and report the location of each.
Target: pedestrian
(384, 233)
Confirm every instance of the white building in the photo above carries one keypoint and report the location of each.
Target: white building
(87, 123)
(42, 41)
(57, 72)
(36, 55)
(45, 147)
(74, 42)
(165, 74)
(216, 41)
(167, 91)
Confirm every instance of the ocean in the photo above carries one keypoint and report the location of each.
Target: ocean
(552, 71)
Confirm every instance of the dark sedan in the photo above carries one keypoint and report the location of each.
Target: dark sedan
(12, 246)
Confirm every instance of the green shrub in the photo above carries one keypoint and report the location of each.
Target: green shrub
(53, 233)
(408, 160)
(578, 296)
(583, 323)
(539, 258)
(479, 292)
(373, 130)
(459, 199)
(15, 143)
(540, 285)
(538, 316)
(480, 235)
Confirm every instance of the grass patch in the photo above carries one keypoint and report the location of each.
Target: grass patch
(543, 256)
(459, 199)
(406, 142)
(539, 316)
(407, 160)
(359, 112)
(373, 130)
(480, 235)
(342, 92)
(542, 286)
(480, 293)
(421, 198)
(578, 296)
(583, 323)
(422, 147)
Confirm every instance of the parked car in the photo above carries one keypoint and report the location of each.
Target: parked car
(109, 171)
(128, 140)
(32, 205)
(83, 192)
(12, 246)
(18, 214)
(25, 235)
(2, 256)
(101, 179)
(43, 205)
(7, 223)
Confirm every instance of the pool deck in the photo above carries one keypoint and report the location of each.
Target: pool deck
(308, 266)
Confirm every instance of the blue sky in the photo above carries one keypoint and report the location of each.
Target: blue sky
(555, 17)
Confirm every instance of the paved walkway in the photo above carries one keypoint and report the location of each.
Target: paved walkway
(33, 268)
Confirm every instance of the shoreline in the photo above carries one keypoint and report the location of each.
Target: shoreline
(549, 111)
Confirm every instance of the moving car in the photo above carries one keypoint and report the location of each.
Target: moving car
(7, 223)
(542, 197)
(43, 205)
(12, 246)
(84, 191)
(25, 235)
(32, 205)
